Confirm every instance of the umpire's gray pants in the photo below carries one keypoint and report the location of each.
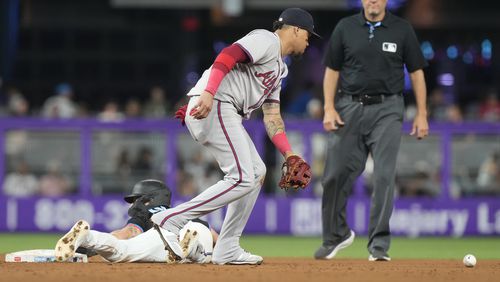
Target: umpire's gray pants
(374, 129)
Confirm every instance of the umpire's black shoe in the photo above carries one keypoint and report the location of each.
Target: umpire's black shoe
(377, 254)
(329, 252)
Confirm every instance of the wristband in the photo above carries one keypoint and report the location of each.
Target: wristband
(281, 142)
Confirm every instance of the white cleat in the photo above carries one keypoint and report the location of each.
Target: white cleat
(172, 245)
(246, 258)
(67, 245)
(189, 243)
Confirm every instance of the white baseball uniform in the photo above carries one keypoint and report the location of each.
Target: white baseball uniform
(147, 246)
(245, 88)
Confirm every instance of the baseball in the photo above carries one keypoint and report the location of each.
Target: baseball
(469, 260)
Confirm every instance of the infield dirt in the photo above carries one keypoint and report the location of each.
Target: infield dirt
(273, 269)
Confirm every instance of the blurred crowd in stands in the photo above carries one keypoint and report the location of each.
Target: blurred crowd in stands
(22, 182)
(443, 109)
(63, 105)
(306, 103)
(198, 170)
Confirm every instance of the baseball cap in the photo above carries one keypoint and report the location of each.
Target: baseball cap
(298, 17)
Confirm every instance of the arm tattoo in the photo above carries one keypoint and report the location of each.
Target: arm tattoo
(274, 126)
(133, 231)
(272, 119)
(126, 232)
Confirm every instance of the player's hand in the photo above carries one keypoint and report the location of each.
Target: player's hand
(204, 106)
(420, 127)
(332, 120)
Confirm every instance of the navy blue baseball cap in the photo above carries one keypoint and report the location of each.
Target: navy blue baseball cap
(298, 17)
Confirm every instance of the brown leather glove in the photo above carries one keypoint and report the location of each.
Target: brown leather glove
(296, 173)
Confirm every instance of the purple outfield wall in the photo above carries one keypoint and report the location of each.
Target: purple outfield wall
(298, 216)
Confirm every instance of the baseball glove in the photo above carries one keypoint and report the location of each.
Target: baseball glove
(296, 173)
(181, 114)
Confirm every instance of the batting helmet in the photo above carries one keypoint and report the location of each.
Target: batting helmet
(150, 187)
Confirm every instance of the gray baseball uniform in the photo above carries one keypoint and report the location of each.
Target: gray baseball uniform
(245, 88)
(147, 246)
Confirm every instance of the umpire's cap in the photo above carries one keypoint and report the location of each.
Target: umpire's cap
(147, 187)
(298, 17)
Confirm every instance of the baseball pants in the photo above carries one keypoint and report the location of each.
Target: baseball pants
(374, 129)
(145, 247)
(223, 134)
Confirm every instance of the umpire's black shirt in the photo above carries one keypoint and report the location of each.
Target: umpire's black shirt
(373, 66)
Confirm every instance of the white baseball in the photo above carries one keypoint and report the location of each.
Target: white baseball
(470, 260)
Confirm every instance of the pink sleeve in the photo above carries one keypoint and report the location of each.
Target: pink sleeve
(281, 143)
(225, 62)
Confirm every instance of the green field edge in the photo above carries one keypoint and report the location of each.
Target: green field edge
(300, 247)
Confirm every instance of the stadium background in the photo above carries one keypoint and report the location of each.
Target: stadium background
(88, 89)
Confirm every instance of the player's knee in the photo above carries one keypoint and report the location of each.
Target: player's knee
(247, 183)
(338, 174)
(260, 172)
(249, 177)
(329, 179)
(246, 179)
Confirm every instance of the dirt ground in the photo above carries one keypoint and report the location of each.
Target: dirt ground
(273, 269)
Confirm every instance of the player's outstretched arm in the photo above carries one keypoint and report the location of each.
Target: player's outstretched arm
(127, 232)
(296, 172)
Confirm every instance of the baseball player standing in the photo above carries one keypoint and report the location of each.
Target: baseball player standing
(245, 76)
(364, 67)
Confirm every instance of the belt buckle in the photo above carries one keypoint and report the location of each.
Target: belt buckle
(370, 100)
(363, 99)
(366, 99)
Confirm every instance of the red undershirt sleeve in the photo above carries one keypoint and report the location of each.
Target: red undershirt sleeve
(225, 62)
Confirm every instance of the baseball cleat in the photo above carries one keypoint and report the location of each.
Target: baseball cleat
(172, 245)
(246, 258)
(67, 245)
(189, 242)
(173, 248)
(330, 252)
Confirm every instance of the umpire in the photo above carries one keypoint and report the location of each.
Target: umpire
(364, 66)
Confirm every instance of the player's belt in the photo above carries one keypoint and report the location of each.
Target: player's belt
(366, 99)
